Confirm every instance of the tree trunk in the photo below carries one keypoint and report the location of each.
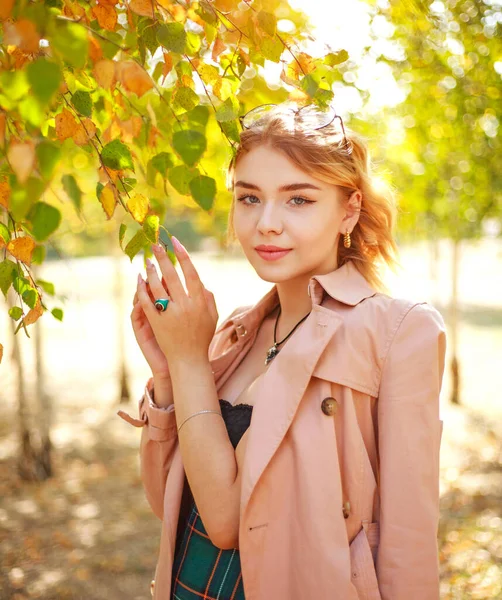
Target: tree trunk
(125, 393)
(44, 418)
(453, 334)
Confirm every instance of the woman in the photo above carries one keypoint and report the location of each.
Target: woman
(293, 452)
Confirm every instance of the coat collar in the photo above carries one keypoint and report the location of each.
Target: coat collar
(345, 284)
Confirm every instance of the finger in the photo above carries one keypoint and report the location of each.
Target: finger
(144, 299)
(171, 277)
(194, 285)
(211, 304)
(158, 290)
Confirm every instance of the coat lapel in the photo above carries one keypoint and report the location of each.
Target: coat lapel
(280, 391)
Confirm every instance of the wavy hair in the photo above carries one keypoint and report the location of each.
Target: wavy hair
(321, 154)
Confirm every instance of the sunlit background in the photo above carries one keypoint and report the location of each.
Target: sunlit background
(102, 531)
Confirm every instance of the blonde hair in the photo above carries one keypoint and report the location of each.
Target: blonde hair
(319, 153)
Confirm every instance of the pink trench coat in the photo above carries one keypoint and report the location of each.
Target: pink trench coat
(340, 485)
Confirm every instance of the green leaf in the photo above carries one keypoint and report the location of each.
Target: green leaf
(190, 145)
(70, 186)
(70, 41)
(45, 219)
(147, 34)
(335, 58)
(16, 312)
(180, 176)
(172, 36)
(14, 85)
(30, 110)
(4, 233)
(117, 155)
(57, 313)
(203, 190)
(44, 77)
(48, 155)
(228, 110)
(309, 85)
(21, 284)
(135, 244)
(186, 98)
(24, 196)
(193, 43)
(122, 232)
(38, 255)
(30, 297)
(82, 102)
(8, 271)
(151, 228)
(47, 286)
(206, 13)
(161, 162)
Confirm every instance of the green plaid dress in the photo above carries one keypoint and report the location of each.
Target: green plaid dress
(201, 569)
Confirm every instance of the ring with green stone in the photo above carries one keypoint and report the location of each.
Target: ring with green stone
(161, 304)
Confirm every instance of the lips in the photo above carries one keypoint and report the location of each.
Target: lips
(272, 255)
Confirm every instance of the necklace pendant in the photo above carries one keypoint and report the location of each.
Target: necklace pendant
(271, 354)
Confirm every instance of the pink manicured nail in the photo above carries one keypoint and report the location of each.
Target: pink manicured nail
(140, 280)
(177, 244)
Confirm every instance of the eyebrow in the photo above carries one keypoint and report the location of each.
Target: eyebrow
(289, 187)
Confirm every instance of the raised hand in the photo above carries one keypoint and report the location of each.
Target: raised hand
(146, 339)
(185, 329)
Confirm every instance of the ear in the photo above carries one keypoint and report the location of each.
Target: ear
(352, 211)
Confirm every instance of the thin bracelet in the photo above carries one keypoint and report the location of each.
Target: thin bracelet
(198, 413)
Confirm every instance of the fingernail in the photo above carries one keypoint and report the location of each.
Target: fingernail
(177, 244)
(139, 278)
(149, 263)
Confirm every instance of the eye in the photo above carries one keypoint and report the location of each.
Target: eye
(242, 198)
(303, 200)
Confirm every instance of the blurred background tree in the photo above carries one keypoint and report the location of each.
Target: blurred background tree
(116, 118)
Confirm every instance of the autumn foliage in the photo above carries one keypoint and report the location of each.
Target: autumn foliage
(135, 85)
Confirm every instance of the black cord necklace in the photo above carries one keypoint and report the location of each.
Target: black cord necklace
(274, 351)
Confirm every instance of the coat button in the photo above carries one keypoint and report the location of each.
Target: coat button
(329, 406)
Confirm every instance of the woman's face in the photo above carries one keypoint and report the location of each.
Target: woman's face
(278, 204)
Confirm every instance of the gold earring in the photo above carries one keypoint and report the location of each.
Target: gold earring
(346, 239)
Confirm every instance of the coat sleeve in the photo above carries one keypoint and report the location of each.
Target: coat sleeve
(159, 436)
(409, 438)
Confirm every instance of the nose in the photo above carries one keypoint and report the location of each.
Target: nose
(270, 219)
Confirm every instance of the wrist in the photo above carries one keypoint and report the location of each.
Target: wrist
(180, 368)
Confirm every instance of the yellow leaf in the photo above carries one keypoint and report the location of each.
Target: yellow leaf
(104, 73)
(143, 7)
(4, 193)
(106, 16)
(139, 206)
(22, 248)
(133, 77)
(35, 313)
(66, 126)
(21, 157)
(108, 200)
(85, 131)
